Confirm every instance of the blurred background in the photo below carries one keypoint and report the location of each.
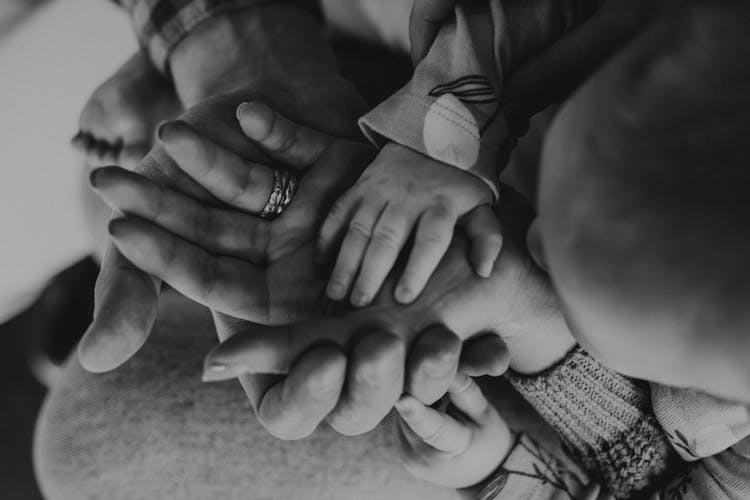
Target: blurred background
(53, 54)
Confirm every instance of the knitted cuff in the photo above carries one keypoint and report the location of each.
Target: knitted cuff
(603, 418)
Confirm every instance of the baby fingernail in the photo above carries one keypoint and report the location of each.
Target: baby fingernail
(241, 109)
(403, 294)
(360, 299)
(215, 371)
(336, 291)
(406, 407)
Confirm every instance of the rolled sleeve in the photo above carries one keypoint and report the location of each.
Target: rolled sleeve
(162, 24)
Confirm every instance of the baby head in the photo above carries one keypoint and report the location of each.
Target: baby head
(644, 204)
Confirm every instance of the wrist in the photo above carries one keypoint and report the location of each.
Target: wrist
(247, 48)
(542, 344)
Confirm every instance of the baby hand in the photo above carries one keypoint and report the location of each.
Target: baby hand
(400, 193)
(455, 452)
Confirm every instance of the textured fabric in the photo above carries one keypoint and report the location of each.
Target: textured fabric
(450, 110)
(604, 419)
(152, 430)
(698, 424)
(712, 434)
(162, 24)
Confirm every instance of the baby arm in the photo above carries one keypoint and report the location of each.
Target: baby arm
(455, 112)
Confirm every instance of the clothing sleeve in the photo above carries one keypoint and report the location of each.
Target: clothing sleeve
(711, 434)
(162, 24)
(451, 109)
(604, 420)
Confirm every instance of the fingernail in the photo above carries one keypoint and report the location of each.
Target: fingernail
(114, 226)
(403, 294)
(241, 110)
(161, 131)
(336, 290)
(485, 270)
(93, 181)
(360, 298)
(406, 407)
(216, 371)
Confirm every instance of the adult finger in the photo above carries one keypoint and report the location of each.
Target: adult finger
(432, 363)
(217, 282)
(293, 145)
(120, 327)
(375, 380)
(218, 231)
(466, 395)
(294, 407)
(439, 430)
(353, 248)
(232, 179)
(483, 229)
(431, 241)
(427, 16)
(388, 238)
(484, 355)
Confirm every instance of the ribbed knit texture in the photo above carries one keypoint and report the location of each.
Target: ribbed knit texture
(604, 419)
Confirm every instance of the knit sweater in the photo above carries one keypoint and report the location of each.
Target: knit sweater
(607, 425)
(603, 418)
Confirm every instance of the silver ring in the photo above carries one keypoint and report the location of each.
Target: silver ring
(282, 193)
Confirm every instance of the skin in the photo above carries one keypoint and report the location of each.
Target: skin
(643, 205)
(164, 240)
(403, 192)
(457, 452)
(117, 123)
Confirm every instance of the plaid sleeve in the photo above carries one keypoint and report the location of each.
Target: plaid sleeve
(162, 24)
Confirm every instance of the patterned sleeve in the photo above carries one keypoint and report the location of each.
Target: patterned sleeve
(713, 435)
(162, 24)
(451, 110)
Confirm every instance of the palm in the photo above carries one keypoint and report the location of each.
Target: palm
(294, 283)
(127, 296)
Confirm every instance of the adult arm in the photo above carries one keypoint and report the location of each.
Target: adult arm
(275, 52)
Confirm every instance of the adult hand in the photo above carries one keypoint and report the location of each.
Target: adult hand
(298, 74)
(377, 338)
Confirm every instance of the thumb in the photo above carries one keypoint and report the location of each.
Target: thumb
(294, 145)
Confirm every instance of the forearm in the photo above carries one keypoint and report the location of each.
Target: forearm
(249, 47)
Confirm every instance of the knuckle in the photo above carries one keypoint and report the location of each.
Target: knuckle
(388, 237)
(360, 230)
(434, 236)
(381, 362)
